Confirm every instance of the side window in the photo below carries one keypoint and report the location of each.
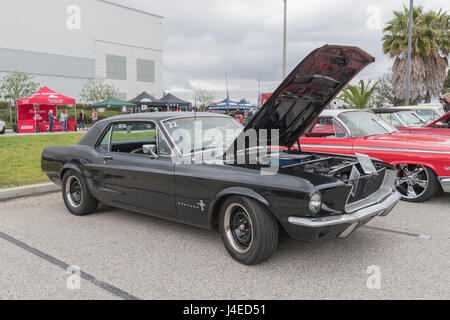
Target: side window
(162, 144)
(104, 144)
(339, 132)
(129, 137)
(326, 127)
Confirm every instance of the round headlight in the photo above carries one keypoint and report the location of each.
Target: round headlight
(315, 202)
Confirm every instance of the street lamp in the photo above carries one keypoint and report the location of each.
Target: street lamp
(284, 41)
(408, 65)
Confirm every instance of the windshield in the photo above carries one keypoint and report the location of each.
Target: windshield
(201, 133)
(363, 124)
(410, 118)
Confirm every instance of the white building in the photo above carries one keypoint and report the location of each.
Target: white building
(62, 43)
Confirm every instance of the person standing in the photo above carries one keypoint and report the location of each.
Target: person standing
(445, 100)
(82, 119)
(63, 118)
(94, 116)
(51, 119)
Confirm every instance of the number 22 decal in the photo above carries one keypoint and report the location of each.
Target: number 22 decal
(172, 124)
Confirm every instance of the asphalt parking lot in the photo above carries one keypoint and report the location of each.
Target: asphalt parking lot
(123, 255)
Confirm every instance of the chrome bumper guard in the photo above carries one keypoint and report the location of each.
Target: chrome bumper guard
(445, 183)
(355, 218)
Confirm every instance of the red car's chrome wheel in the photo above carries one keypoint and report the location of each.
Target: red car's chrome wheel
(415, 182)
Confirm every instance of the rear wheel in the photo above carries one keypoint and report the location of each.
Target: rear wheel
(249, 231)
(416, 183)
(76, 195)
(3, 130)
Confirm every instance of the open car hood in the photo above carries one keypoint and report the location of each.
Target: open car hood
(444, 118)
(307, 90)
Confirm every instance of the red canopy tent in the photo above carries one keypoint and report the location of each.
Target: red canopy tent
(33, 111)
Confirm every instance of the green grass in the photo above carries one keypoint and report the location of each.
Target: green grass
(20, 157)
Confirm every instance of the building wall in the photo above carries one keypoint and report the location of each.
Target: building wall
(44, 39)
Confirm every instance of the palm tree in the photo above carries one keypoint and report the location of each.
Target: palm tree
(429, 51)
(358, 96)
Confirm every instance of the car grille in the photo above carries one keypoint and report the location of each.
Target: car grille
(365, 186)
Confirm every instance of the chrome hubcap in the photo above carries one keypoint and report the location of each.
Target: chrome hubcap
(412, 180)
(238, 228)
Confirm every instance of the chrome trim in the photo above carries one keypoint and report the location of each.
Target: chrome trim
(399, 149)
(371, 148)
(445, 183)
(111, 124)
(386, 188)
(399, 120)
(381, 208)
(334, 146)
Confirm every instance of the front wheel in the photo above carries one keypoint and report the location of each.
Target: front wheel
(249, 231)
(76, 195)
(416, 183)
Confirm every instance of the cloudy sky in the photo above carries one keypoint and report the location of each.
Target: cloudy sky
(206, 39)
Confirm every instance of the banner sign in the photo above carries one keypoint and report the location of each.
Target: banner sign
(27, 111)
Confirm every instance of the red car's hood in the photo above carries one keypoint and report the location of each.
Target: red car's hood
(407, 141)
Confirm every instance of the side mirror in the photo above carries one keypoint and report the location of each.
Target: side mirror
(150, 149)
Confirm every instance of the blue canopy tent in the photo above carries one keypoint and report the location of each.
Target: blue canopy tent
(245, 105)
(224, 105)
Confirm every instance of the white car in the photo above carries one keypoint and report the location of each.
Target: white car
(2, 127)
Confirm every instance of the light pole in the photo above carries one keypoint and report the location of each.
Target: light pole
(284, 41)
(408, 65)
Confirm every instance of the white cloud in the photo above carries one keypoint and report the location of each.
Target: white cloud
(204, 39)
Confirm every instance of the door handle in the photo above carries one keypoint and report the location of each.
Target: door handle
(107, 158)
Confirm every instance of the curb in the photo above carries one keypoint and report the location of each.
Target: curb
(35, 189)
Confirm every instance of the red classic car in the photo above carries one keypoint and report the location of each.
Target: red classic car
(423, 161)
(409, 121)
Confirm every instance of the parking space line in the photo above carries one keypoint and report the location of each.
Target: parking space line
(405, 233)
(101, 284)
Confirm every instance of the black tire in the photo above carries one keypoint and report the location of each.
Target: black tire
(254, 220)
(76, 195)
(419, 193)
(3, 130)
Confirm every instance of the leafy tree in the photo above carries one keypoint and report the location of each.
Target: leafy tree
(204, 98)
(17, 85)
(383, 94)
(359, 96)
(96, 90)
(429, 51)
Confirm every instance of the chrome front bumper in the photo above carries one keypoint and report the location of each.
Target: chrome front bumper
(445, 183)
(382, 208)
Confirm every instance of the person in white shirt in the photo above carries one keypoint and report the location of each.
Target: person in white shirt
(63, 117)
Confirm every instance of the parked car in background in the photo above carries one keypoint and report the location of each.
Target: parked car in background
(399, 118)
(429, 113)
(2, 127)
(132, 162)
(409, 121)
(422, 161)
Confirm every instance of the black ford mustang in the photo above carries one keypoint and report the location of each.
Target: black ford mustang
(156, 164)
